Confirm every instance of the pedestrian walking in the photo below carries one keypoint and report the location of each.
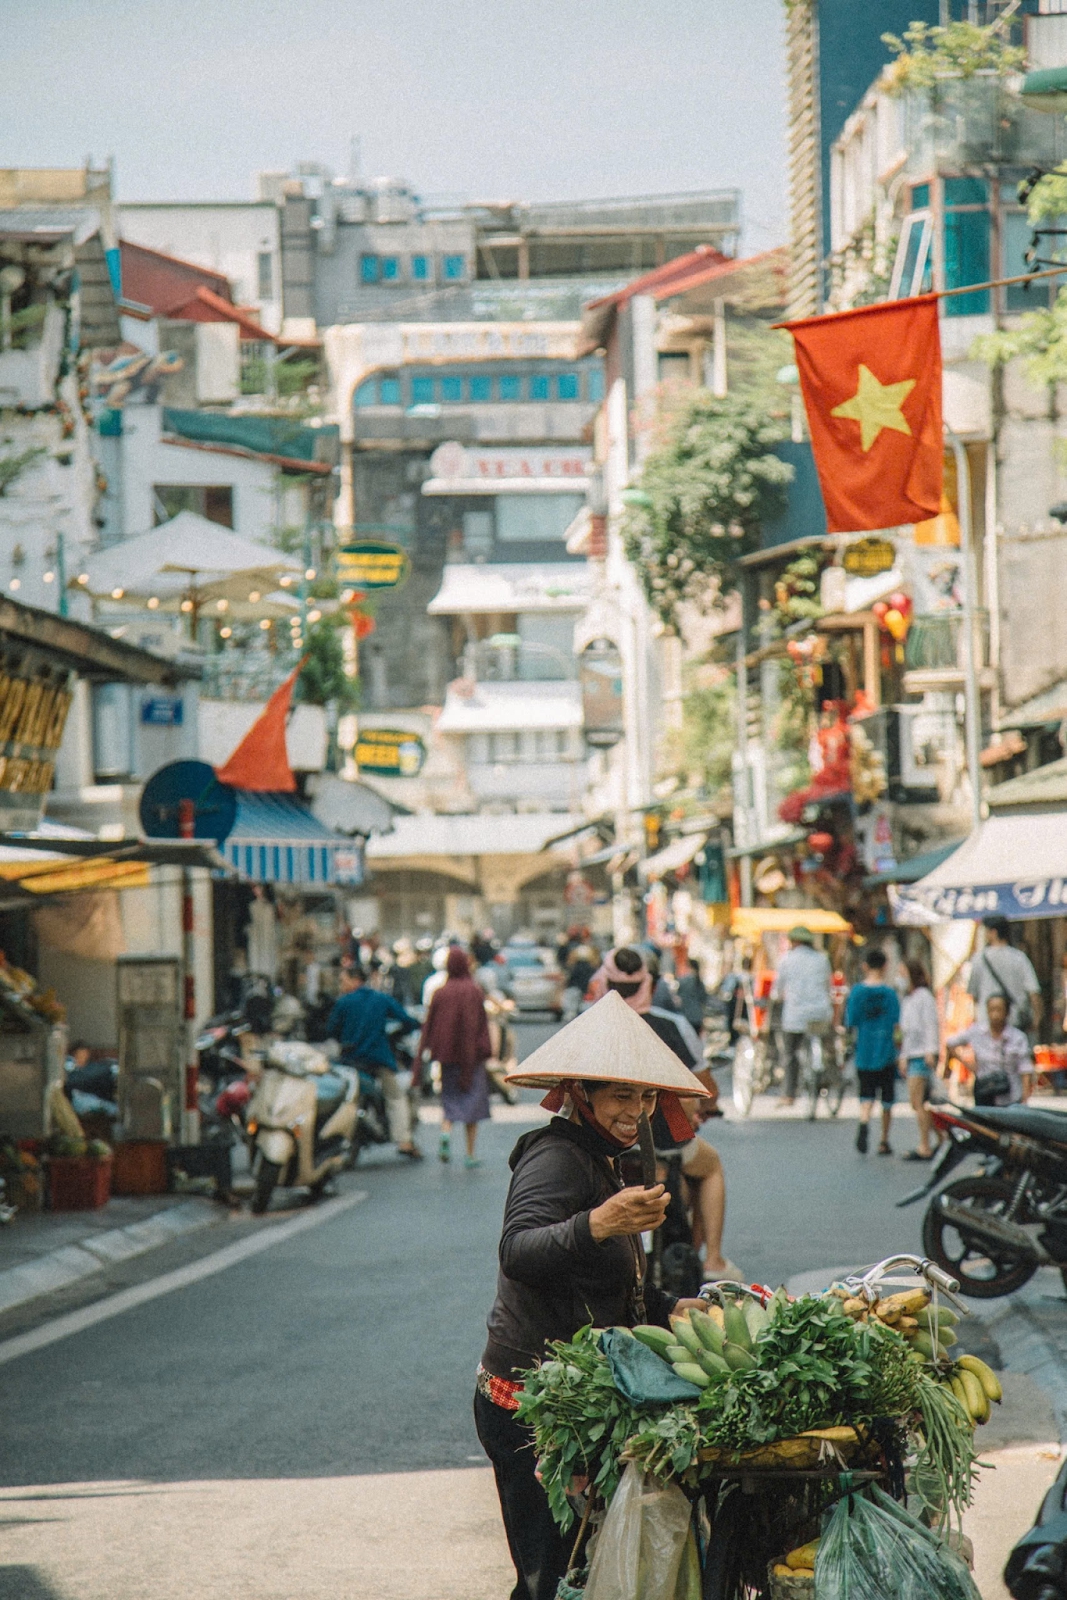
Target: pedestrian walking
(693, 997)
(920, 1046)
(1002, 970)
(456, 1033)
(1003, 1061)
(802, 984)
(873, 1012)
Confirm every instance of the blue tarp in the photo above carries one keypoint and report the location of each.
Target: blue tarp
(277, 839)
(269, 436)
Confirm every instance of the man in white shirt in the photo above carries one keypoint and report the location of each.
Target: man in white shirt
(802, 983)
(1000, 969)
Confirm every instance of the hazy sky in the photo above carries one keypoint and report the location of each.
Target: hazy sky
(489, 98)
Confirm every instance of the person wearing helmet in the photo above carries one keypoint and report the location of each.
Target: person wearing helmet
(570, 1249)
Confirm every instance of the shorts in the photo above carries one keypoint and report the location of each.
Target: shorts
(882, 1082)
(918, 1068)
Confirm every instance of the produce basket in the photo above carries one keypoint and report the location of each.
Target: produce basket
(794, 1586)
(78, 1183)
(831, 1448)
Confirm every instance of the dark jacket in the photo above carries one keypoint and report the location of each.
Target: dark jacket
(358, 1020)
(554, 1278)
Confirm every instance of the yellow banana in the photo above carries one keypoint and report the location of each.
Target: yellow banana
(985, 1375)
(961, 1395)
(977, 1399)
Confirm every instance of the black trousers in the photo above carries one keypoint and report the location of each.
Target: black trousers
(539, 1550)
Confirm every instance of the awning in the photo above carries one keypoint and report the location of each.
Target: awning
(512, 708)
(914, 868)
(61, 875)
(750, 922)
(679, 853)
(1010, 866)
(276, 839)
(510, 587)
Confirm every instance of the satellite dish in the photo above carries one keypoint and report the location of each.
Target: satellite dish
(214, 803)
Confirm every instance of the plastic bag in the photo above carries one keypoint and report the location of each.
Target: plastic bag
(874, 1547)
(643, 1548)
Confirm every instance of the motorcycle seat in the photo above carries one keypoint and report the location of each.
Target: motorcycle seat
(1031, 1121)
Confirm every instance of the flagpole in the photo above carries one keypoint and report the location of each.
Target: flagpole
(971, 703)
(928, 294)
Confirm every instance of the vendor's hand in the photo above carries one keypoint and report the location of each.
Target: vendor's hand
(630, 1211)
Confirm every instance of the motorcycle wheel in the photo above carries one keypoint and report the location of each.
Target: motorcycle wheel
(835, 1089)
(744, 1073)
(266, 1182)
(981, 1276)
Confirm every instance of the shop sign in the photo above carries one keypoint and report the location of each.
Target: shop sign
(372, 564)
(348, 865)
(866, 558)
(390, 752)
(454, 460)
(162, 711)
(600, 677)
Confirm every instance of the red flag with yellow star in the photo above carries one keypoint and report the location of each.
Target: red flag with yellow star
(871, 381)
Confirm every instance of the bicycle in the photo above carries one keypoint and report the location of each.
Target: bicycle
(822, 1071)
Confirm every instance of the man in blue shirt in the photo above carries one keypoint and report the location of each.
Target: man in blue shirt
(358, 1022)
(873, 1012)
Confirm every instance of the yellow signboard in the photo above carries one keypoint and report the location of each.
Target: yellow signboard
(372, 564)
(866, 558)
(391, 752)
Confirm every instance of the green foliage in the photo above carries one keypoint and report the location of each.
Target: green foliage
(703, 749)
(12, 466)
(1048, 197)
(290, 377)
(959, 50)
(323, 678)
(1040, 339)
(580, 1421)
(708, 488)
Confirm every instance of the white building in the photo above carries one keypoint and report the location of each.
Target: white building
(239, 238)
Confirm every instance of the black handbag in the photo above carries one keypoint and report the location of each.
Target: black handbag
(989, 1088)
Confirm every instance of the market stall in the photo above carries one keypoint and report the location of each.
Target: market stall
(817, 1448)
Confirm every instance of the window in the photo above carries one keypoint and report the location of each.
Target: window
(210, 501)
(390, 266)
(368, 269)
(367, 393)
(920, 196)
(477, 535)
(595, 384)
(509, 387)
(567, 386)
(911, 270)
(481, 387)
(420, 269)
(265, 274)
(535, 518)
(454, 268)
(967, 244)
(451, 390)
(422, 391)
(539, 386)
(389, 392)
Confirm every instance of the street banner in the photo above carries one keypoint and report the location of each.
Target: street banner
(871, 382)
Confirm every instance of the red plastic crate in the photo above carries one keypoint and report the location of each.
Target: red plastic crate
(78, 1183)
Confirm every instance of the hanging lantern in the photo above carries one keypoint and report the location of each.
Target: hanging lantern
(820, 843)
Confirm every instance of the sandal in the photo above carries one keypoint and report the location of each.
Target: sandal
(884, 1150)
(917, 1155)
(414, 1154)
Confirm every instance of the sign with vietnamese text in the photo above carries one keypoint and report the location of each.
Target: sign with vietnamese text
(390, 752)
(372, 564)
(866, 558)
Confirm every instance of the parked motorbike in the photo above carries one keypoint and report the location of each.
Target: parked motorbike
(218, 1048)
(301, 1119)
(1037, 1566)
(993, 1228)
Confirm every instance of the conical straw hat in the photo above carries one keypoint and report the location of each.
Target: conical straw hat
(608, 1042)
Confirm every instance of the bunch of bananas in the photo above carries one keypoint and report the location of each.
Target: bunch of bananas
(931, 1335)
(704, 1344)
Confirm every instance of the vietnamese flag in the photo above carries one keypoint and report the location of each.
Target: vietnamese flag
(871, 381)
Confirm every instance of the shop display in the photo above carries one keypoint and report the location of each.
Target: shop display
(775, 1411)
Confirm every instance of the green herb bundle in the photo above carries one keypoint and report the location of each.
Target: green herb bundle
(580, 1421)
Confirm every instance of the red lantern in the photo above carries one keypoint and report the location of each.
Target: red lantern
(879, 609)
(820, 843)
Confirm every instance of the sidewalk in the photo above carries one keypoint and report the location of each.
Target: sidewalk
(47, 1250)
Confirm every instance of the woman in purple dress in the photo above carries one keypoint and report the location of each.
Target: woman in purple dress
(456, 1033)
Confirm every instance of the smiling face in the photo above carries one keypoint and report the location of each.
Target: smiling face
(618, 1107)
(997, 1012)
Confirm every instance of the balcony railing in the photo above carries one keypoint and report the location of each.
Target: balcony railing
(935, 642)
(506, 658)
(963, 123)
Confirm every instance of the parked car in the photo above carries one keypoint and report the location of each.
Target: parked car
(530, 976)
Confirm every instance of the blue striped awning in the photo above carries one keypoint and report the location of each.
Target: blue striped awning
(276, 839)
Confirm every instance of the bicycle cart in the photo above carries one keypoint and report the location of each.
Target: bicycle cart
(687, 1507)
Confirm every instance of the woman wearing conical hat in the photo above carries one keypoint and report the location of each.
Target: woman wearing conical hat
(570, 1249)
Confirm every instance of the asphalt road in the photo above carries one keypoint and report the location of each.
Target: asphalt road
(348, 1349)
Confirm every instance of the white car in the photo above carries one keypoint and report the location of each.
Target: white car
(530, 976)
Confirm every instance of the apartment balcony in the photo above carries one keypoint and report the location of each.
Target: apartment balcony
(965, 123)
(507, 658)
(934, 653)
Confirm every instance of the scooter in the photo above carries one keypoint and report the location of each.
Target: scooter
(994, 1228)
(301, 1120)
(219, 1048)
(372, 1123)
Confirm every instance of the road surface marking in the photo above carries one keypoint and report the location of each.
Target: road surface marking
(114, 1305)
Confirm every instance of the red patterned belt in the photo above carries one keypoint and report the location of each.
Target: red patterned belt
(503, 1392)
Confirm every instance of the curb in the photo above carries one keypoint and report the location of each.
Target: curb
(59, 1268)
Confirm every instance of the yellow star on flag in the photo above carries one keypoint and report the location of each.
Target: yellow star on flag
(876, 406)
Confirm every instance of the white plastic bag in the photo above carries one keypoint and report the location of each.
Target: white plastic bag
(642, 1542)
